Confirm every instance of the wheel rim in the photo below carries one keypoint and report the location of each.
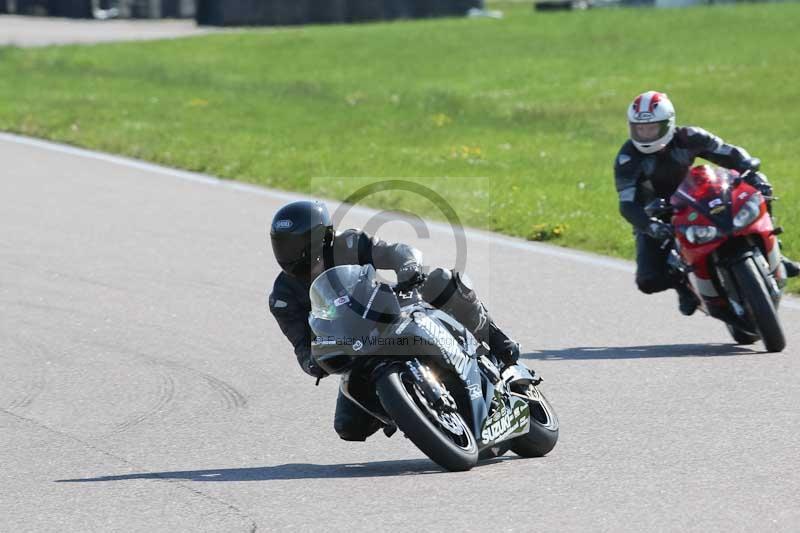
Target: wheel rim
(540, 408)
(452, 425)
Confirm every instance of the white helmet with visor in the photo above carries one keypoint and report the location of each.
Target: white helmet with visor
(651, 118)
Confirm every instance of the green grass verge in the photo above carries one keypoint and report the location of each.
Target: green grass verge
(515, 122)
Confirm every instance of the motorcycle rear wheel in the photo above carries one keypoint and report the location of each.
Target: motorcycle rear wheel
(454, 449)
(543, 433)
(758, 303)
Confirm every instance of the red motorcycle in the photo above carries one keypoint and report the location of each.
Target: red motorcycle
(726, 246)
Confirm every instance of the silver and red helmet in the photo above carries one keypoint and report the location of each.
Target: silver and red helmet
(651, 118)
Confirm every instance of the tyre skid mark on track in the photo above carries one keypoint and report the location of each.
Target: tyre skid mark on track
(252, 524)
(230, 398)
(57, 274)
(45, 307)
(30, 395)
(166, 394)
(39, 382)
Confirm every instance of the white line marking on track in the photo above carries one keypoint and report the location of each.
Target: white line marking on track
(534, 247)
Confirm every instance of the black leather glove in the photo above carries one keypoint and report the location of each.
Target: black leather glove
(408, 277)
(311, 368)
(751, 164)
(760, 182)
(660, 231)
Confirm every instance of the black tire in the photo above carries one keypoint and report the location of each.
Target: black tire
(741, 336)
(757, 301)
(402, 405)
(543, 433)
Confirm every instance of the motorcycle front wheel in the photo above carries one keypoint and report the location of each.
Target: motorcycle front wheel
(741, 336)
(442, 436)
(757, 301)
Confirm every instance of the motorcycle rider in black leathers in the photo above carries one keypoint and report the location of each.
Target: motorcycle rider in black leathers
(305, 245)
(652, 164)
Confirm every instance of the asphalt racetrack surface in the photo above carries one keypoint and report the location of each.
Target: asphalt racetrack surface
(145, 387)
(42, 31)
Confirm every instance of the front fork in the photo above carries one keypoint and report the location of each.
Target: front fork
(433, 391)
(768, 273)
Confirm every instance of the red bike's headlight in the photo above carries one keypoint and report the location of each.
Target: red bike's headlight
(701, 234)
(748, 213)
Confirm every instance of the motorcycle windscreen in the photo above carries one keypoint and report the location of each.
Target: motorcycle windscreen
(330, 292)
(349, 301)
(703, 184)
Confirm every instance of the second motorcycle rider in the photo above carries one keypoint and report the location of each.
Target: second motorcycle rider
(652, 164)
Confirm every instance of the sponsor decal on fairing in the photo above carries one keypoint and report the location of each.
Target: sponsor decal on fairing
(403, 325)
(509, 419)
(474, 391)
(446, 343)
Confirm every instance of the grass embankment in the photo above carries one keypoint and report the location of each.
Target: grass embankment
(516, 122)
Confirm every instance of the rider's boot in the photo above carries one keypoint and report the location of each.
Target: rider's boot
(503, 347)
(687, 301)
(792, 267)
(500, 345)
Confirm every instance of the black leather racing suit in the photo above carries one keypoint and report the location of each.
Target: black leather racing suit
(290, 305)
(641, 178)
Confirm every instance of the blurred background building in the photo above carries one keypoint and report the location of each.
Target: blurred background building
(101, 9)
(244, 12)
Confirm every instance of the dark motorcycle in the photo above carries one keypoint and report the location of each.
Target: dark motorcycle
(415, 368)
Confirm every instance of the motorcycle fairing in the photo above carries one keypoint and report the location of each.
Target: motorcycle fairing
(710, 196)
(454, 354)
(337, 354)
(349, 386)
(510, 418)
(498, 413)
